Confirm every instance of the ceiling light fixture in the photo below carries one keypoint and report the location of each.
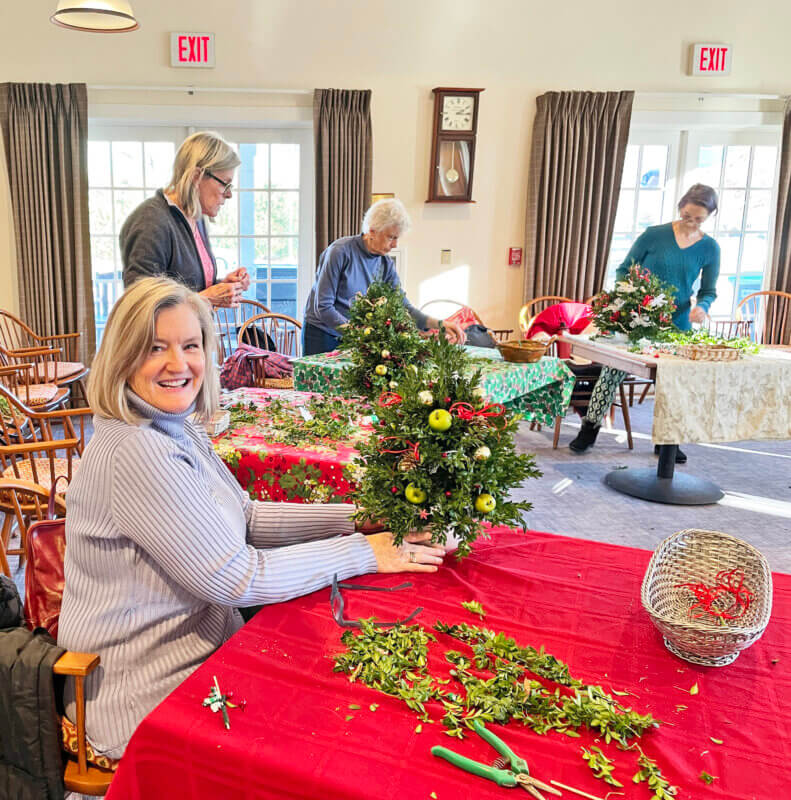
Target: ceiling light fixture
(95, 16)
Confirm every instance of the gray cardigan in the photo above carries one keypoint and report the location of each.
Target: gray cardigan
(161, 545)
(156, 239)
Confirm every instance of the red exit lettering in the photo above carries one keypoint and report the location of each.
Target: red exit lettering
(712, 59)
(193, 49)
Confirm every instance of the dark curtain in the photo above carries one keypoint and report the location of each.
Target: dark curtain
(576, 161)
(45, 133)
(780, 269)
(344, 155)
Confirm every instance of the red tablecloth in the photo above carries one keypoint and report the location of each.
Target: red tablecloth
(269, 470)
(578, 598)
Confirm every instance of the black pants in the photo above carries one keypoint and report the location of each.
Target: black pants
(315, 340)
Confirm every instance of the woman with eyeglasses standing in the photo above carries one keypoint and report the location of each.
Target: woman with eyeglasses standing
(166, 235)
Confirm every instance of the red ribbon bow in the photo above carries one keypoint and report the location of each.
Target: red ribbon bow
(387, 399)
(466, 412)
(411, 447)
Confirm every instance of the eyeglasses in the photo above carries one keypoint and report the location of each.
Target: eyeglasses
(337, 604)
(227, 186)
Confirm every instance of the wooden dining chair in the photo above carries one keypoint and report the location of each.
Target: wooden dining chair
(18, 379)
(529, 311)
(54, 358)
(585, 378)
(770, 313)
(284, 332)
(36, 446)
(228, 322)
(44, 581)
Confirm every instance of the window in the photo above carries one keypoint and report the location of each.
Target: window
(647, 188)
(740, 164)
(742, 167)
(265, 226)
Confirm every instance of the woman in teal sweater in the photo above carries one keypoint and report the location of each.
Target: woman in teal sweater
(677, 253)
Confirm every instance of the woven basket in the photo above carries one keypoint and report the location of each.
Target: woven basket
(526, 351)
(709, 352)
(278, 383)
(688, 557)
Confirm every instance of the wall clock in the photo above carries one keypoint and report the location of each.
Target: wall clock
(455, 127)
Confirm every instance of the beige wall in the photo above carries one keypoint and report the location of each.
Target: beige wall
(516, 49)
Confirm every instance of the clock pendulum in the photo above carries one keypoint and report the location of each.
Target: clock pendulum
(452, 175)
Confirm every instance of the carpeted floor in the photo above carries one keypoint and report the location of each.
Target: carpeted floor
(572, 499)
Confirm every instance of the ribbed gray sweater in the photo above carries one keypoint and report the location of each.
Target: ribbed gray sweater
(161, 545)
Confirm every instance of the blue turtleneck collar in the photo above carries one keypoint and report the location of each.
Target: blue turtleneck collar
(170, 424)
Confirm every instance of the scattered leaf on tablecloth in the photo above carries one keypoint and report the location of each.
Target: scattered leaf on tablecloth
(349, 716)
(706, 778)
(373, 706)
(354, 707)
(620, 694)
(716, 741)
(433, 796)
(419, 729)
(681, 707)
(694, 689)
(474, 607)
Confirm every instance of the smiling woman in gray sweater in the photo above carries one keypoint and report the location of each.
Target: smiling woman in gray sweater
(162, 544)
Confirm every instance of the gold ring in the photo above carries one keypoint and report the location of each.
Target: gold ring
(413, 556)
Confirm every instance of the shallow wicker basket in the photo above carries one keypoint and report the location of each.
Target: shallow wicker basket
(709, 352)
(278, 383)
(524, 351)
(688, 557)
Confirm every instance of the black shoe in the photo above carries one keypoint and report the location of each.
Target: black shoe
(681, 457)
(586, 438)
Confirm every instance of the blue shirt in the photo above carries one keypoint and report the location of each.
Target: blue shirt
(345, 268)
(657, 250)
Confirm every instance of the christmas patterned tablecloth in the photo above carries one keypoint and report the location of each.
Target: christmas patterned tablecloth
(318, 472)
(539, 391)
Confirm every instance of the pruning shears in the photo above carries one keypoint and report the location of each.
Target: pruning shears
(517, 774)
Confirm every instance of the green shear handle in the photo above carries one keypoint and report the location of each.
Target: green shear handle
(518, 765)
(501, 777)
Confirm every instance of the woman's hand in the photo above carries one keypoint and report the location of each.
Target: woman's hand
(414, 554)
(454, 333)
(241, 276)
(697, 314)
(223, 294)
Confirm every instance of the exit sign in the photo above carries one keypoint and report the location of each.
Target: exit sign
(191, 49)
(711, 59)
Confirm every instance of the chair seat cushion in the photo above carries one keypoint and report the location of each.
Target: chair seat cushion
(61, 370)
(38, 394)
(24, 470)
(69, 732)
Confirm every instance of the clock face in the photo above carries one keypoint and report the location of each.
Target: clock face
(457, 113)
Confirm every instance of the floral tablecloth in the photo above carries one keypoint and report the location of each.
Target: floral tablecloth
(268, 470)
(540, 391)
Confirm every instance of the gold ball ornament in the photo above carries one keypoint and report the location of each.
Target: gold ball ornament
(439, 420)
(380, 369)
(367, 331)
(482, 453)
(485, 504)
(369, 315)
(414, 494)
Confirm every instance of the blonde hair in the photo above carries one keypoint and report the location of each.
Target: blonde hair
(127, 341)
(200, 152)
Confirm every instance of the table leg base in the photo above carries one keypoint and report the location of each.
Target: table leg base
(680, 490)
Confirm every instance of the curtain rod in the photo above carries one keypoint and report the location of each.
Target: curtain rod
(194, 89)
(703, 94)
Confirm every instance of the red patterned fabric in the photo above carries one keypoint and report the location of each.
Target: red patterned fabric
(237, 371)
(580, 599)
(572, 317)
(284, 473)
(465, 317)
